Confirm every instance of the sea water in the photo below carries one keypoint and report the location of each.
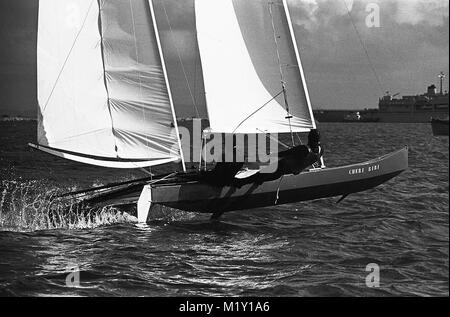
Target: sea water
(317, 248)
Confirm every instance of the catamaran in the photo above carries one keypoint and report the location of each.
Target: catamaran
(106, 99)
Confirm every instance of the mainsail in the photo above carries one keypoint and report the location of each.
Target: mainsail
(103, 94)
(248, 52)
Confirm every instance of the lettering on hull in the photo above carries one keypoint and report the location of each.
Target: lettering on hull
(364, 170)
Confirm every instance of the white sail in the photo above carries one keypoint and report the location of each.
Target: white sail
(241, 70)
(102, 94)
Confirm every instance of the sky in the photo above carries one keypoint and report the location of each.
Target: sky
(406, 52)
(347, 64)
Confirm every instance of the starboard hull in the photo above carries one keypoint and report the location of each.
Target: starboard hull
(310, 185)
(198, 196)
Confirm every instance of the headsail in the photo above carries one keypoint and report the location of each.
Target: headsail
(239, 42)
(102, 93)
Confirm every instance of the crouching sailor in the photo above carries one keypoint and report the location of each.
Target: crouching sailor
(292, 161)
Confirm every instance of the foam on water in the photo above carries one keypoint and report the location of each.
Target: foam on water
(33, 205)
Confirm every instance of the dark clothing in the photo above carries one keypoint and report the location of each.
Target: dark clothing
(292, 161)
(223, 173)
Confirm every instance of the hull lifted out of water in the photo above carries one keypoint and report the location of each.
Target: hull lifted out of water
(190, 193)
(107, 99)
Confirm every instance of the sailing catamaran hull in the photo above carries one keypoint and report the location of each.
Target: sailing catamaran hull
(197, 196)
(316, 184)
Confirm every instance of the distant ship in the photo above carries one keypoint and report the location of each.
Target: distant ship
(357, 117)
(412, 109)
(415, 109)
(440, 127)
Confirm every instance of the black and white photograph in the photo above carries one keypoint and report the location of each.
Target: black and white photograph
(224, 153)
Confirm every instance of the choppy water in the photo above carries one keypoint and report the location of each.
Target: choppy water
(307, 249)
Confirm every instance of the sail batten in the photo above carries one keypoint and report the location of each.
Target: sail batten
(241, 70)
(101, 85)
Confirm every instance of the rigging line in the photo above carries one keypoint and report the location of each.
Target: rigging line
(195, 80)
(278, 52)
(299, 139)
(278, 190)
(143, 170)
(82, 195)
(67, 57)
(105, 79)
(205, 152)
(288, 116)
(201, 153)
(138, 70)
(275, 139)
(162, 179)
(69, 138)
(254, 112)
(197, 56)
(181, 61)
(364, 47)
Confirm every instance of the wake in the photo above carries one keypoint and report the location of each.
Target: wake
(35, 205)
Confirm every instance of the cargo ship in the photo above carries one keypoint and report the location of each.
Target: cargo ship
(415, 109)
(391, 108)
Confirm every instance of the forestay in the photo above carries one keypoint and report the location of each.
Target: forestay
(242, 45)
(102, 93)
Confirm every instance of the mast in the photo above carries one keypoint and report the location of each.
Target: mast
(302, 73)
(166, 77)
(299, 62)
(283, 85)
